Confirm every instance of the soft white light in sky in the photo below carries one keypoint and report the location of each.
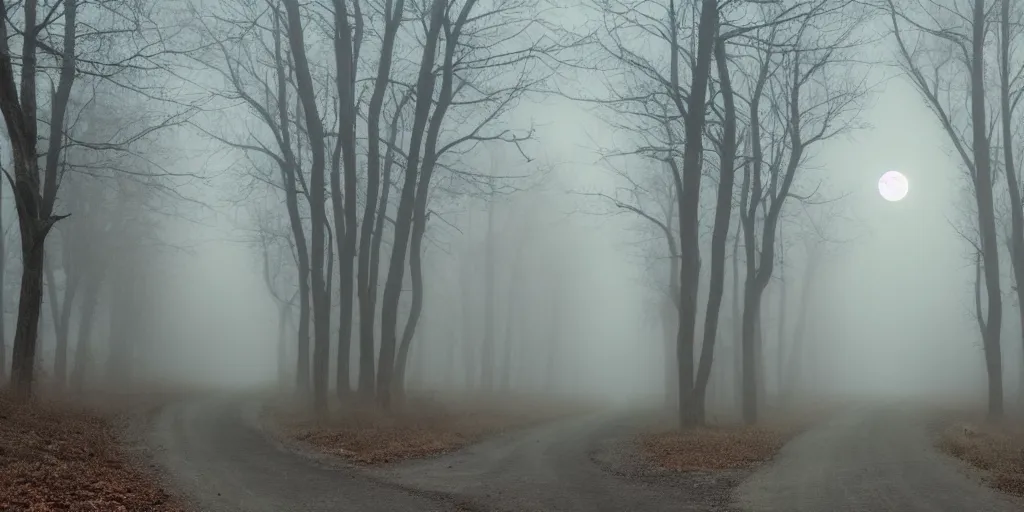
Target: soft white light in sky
(893, 186)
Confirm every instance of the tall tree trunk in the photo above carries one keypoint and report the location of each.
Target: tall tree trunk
(284, 311)
(61, 313)
(430, 155)
(347, 40)
(83, 348)
(3, 296)
(373, 222)
(315, 131)
(780, 344)
(30, 304)
(670, 329)
(36, 196)
(288, 168)
(986, 214)
(487, 347)
(512, 307)
(553, 378)
(1016, 241)
(469, 340)
(119, 357)
(720, 234)
(404, 218)
(737, 312)
(794, 366)
(689, 199)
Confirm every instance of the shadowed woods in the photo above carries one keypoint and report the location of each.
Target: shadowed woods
(517, 254)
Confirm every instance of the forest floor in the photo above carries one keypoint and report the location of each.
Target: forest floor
(422, 427)
(57, 455)
(995, 449)
(711, 448)
(716, 447)
(725, 444)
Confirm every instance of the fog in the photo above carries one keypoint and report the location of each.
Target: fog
(894, 316)
(536, 277)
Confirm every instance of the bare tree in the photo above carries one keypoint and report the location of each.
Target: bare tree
(949, 62)
(373, 222)
(318, 216)
(797, 102)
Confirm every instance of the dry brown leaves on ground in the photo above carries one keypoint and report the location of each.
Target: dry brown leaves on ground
(995, 449)
(55, 457)
(419, 429)
(711, 448)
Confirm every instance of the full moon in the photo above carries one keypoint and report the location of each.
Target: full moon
(893, 186)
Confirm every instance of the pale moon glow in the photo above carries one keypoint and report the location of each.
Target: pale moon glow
(893, 186)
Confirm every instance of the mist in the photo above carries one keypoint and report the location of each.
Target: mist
(542, 266)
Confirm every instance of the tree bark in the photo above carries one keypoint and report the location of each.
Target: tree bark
(347, 39)
(720, 234)
(986, 215)
(315, 131)
(3, 296)
(404, 217)
(780, 337)
(689, 199)
(373, 223)
(34, 198)
(1016, 241)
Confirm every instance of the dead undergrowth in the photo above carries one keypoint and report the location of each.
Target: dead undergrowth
(710, 448)
(58, 456)
(420, 428)
(997, 450)
(720, 447)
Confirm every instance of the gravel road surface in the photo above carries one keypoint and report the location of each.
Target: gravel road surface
(868, 460)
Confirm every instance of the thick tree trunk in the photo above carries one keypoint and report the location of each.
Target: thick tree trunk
(406, 206)
(986, 214)
(689, 199)
(30, 305)
(737, 322)
(315, 132)
(3, 296)
(751, 312)
(720, 235)
(373, 223)
(1016, 241)
(347, 40)
(288, 168)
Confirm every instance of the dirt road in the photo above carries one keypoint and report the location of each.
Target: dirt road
(215, 451)
(868, 460)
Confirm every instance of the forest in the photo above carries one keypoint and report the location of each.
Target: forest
(633, 200)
